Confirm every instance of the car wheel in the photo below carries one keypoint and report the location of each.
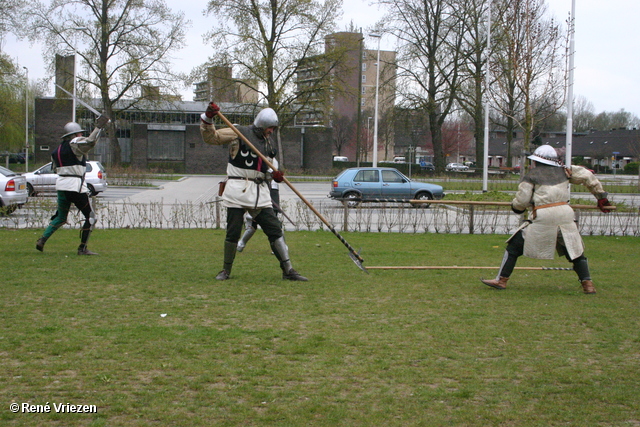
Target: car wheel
(422, 196)
(30, 191)
(352, 199)
(92, 190)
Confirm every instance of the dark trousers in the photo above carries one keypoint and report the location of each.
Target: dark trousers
(266, 219)
(65, 200)
(515, 249)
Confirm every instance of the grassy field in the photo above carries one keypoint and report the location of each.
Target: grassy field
(146, 334)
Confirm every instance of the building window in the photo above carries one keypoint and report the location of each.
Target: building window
(364, 66)
(364, 78)
(165, 145)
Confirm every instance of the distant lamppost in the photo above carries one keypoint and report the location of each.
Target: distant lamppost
(368, 131)
(375, 119)
(26, 121)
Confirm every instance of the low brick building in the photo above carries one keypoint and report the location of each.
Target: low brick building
(166, 136)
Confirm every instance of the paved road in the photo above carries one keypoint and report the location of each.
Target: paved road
(202, 188)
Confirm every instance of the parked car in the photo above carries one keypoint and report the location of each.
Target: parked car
(43, 180)
(456, 167)
(17, 158)
(13, 191)
(427, 166)
(340, 159)
(357, 185)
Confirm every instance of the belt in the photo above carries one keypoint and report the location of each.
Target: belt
(549, 205)
(256, 180)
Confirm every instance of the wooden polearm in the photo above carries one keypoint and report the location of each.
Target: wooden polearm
(459, 267)
(488, 203)
(355, 256)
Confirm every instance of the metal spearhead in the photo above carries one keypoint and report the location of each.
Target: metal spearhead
(357, 259)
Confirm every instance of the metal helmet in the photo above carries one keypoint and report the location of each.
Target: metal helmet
(266, 118)
(546, 154)
(72, 128)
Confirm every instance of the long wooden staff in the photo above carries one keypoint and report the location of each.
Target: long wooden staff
(474, 202)
(355, 256)
(460, 267)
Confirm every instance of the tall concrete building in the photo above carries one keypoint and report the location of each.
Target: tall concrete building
(220, 86)
(345, 100)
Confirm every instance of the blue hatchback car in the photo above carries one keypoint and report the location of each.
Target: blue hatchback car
(357, 185)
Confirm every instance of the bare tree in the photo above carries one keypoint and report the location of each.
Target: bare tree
(608, 120)
(472, 87)
(456, 139)
(268, 42)
(343, 132)
(124, 46)
(429, 59)
(530, 67)
(9, 9)
(583, 114)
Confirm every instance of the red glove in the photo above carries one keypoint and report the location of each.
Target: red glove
(277, 176)
(602, 203)
(212, 110)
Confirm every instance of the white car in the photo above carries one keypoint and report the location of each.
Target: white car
(13, 191)
(457, 167)
(43, 180)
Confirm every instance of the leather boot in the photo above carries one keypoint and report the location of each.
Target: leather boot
(40, 244)
(281, 251)
(293, 275)
(229, 256)
(498, 283)
(82, 250)
(223, 275)
(587, 287)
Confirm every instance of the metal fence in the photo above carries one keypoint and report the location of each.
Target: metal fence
(383, 218)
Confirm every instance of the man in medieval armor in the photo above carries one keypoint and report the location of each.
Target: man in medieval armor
(70, 163)
(551, 225)
(247, 188)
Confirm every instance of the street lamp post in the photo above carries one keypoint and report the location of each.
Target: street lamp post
(26, 122)
(73, 101)
(375, 119)
(368, 131)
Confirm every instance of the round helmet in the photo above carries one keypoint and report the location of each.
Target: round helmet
(72, 128)
(545, 154)
(266, 118)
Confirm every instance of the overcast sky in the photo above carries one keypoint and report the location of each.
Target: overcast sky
(607, 38)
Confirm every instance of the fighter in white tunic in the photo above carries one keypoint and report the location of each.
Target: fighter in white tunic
(247, 187)
(70, 163)
(551, 226)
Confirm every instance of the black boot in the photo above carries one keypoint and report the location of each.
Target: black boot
(40, 243)
(281, 251)
(229, 256)
(82, 250)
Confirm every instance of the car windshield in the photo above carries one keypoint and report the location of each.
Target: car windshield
(7, 172)
(46, 169)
